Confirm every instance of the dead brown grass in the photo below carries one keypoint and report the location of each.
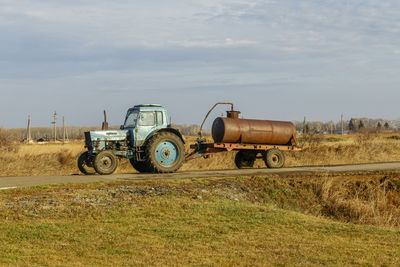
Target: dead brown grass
(59, 159)
(366, 201)
(6, 145)
(363, 199)
(351, 149)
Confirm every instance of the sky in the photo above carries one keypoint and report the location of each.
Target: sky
(278, 60)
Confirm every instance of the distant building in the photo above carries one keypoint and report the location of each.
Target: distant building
(340, 132)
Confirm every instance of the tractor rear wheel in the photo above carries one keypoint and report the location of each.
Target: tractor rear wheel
(85, 163)
(244, 160)
(105, 162)
(274, 158)
(140, 166)
(165, 153)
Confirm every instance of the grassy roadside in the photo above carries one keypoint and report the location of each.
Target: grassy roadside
(239, 221)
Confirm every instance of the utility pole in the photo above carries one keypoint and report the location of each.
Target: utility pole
(64, 130)
(304, 125)
(341, 120)
(55, 126)
(28, 131)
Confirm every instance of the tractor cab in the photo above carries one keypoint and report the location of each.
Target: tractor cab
(143, 120)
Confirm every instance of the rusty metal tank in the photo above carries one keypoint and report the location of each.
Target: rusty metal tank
(244, 131)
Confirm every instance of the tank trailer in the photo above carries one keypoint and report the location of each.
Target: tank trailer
(150, 143)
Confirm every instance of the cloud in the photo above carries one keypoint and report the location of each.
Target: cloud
(228, 42)
(290, 49)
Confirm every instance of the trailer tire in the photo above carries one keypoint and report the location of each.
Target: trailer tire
(165, 153)
(105, 162)
(244, 161)
(140, 166)
(274, 158)
(85, 163)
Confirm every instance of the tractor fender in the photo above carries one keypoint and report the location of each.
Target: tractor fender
(171, 130)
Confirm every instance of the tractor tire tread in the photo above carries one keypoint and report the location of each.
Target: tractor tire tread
(150, 149)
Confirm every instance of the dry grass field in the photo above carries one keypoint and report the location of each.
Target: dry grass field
(60, 159)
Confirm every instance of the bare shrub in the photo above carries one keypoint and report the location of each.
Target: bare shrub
(365, 138)
(5, 142)
(373, 201)
(65, 157)
(311, 140)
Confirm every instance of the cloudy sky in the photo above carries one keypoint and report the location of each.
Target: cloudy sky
(275, 59)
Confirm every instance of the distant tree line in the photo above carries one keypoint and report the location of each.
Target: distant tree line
(75, 132)
(46, 133)
(354, 125)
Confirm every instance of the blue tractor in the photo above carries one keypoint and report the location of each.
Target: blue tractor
(146, 139)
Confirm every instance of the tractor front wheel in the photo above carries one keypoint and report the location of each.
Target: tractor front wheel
(85, 163)
(105, 162)
(165, 153)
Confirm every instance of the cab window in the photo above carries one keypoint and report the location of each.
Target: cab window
(146, 118)
(131, 119)
(159, 118)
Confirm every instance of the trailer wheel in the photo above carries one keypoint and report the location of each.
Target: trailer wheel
(244, 160)
(140, 166)
(105, 162)
(85, 163)
(165, 153)
(274, 158)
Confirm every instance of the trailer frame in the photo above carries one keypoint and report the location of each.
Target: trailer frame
(204, 150)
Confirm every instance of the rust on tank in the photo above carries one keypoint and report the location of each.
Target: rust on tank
(246, 131)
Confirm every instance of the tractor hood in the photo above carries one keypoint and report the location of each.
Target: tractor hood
(96, 140)
(109, 135)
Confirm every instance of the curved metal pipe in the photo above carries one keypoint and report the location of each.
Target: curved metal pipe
(216, 104)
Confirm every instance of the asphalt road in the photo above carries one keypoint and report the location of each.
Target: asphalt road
(25, 181)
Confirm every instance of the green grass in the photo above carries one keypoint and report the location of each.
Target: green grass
(394, 137)
(102, 224)
(334, 139)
